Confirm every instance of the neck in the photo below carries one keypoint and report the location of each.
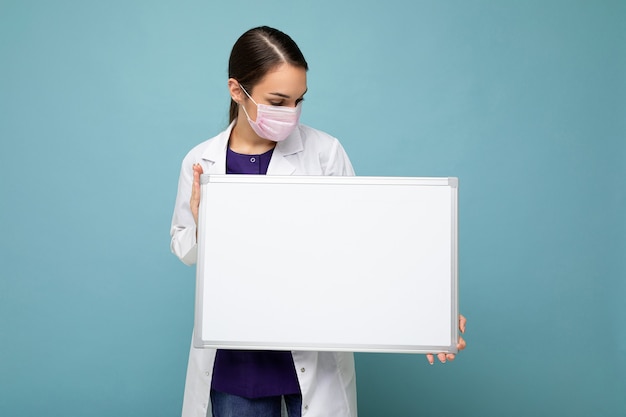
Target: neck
(245, 141)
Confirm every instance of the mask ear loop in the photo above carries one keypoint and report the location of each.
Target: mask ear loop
(244, 90)
(244, 107)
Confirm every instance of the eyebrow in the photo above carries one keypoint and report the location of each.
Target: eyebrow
(286, 96)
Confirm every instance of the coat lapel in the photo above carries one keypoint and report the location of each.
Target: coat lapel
(215, 153)
(280, 164)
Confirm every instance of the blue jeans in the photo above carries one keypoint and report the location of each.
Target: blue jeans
(229, 405)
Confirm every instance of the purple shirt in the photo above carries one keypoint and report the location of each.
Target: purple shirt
(237, 163)
(253, 373)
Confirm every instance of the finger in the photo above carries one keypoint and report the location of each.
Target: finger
(194, 200)
(430, 358)
(461, 344)
(195, 189)
(450, 356)
(442, 357)
(197, 170)
(195, 194)
(462, 323)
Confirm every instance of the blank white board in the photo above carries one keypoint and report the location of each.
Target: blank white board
(363, 264)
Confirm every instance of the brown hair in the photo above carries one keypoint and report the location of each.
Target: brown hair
(258, 51)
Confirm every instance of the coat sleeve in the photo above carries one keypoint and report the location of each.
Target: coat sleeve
(183, 230)
(338, 161)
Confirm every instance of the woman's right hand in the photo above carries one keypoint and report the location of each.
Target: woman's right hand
(194, 202)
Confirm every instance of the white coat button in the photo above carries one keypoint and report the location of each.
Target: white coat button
(253, 160)
(206, 373)
(306, 407)
(302, 369)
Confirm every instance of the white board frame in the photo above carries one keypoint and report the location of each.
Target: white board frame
(263, 280)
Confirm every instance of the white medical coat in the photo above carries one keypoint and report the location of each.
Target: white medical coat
(327, 379)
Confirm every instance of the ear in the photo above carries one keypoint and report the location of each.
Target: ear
(235, 91)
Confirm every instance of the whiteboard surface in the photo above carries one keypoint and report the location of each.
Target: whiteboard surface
(327, 263)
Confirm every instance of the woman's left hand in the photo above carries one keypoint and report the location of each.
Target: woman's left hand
(443, 357)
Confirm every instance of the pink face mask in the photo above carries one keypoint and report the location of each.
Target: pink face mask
(273, 122)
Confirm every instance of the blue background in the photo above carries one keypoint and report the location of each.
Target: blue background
(524, 101)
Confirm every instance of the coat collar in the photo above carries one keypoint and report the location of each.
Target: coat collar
(215, 153)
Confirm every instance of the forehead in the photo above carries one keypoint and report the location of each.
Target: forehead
(285, 79)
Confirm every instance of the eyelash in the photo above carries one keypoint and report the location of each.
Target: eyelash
(280, 103)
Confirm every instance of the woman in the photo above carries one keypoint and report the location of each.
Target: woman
(267, 83)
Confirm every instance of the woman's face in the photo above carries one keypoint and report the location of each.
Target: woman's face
(285, 85)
